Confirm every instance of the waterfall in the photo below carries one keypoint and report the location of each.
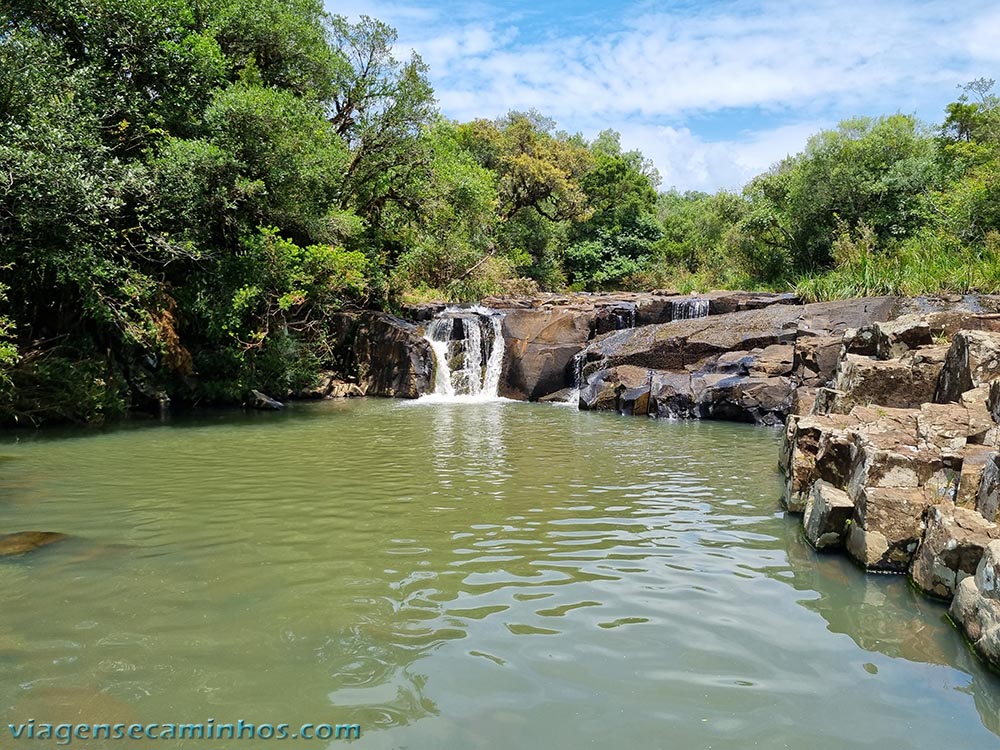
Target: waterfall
(573, 399)
(687, 309)
(468, 351)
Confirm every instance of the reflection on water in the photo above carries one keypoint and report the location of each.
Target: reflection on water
(461, 576)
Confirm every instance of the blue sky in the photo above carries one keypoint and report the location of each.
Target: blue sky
(713, 92)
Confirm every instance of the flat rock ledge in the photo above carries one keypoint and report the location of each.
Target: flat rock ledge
(897, 461)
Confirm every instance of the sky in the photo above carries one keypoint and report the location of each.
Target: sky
(713, 92)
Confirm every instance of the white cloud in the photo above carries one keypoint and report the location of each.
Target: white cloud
(772, 68)
(688, 162)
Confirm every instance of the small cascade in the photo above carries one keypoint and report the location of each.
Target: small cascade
(624, 317)
(468, 352)
(689, 309)
(573, 399)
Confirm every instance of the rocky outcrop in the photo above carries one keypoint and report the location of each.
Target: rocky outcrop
(540, 346)
(899, 461)
(384, 355)
(744, 366)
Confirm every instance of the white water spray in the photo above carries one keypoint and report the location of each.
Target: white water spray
(689, 309)
(468, 350)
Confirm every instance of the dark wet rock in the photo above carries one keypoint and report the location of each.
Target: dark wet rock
(672, 396)
(762, 400)
(827, 515)
(264, 402)
(382, 354)
(391, 357)
(23, 542)
(972, 361)
(951, 549)
(624, 389)
(887, 527)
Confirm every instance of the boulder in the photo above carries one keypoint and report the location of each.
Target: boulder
(23, 542)
(887, 527)
(264, 402)
(972, 361)
(975, 459)
(951, 549)
(391, 357)
(902, 383)
(814, 447)
(761, 400)
(893, 338)
(540, 346)
(671, 396)
(774, 361)
(827, 515)
(624, 389)
(890, 459)
(976, 606)
(816, 358)
(988, 495)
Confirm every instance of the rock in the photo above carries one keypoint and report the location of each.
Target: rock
(976, 606)
(803, 400)
(624, 389)
(391, 357)
(23, 542)
(887, 527)
(775, 360)
(816, 358)
(893, 338)
(951, 548)
(975, 459)
(827, 515)
(814, 447)
(264, 402)
(891, 460)
(761, 400)
(672, 396)
(988, 495)
(973, 360)
(540, 346)
(562, 396)
(903, 383)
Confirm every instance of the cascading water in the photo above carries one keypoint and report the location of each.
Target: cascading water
(573, 399)
(688, 309)
(468, 352)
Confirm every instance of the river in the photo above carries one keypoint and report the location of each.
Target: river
(473, 575)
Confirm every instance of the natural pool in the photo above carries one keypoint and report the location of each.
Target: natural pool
(488, 575)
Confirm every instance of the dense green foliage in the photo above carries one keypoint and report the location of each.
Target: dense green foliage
(189, 189)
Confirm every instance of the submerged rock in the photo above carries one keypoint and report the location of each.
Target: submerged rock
(23, 542)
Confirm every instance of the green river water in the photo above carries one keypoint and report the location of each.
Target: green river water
(489, 575)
